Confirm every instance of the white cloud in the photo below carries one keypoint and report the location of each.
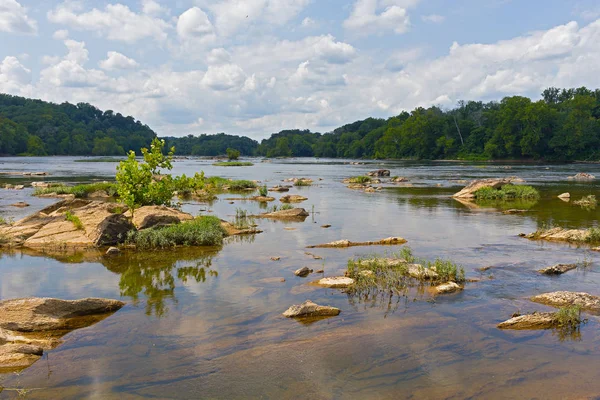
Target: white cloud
(116, 60)
(194, 24)
(224, 77)
(434, 18)
(151, 7)
(334, 52)
(219, 56)
(14, 19)
(308, 22)
(61, 34)
(115, 22)
(379, 16)
(12, 71)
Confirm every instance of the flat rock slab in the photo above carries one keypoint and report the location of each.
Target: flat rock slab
(293, 214)
(310, 309)
(560, 299)
(468, 191)
(559, 235)
(153, 216)
(337, 282)
(449, 287)
(292, 198)
(279, 189)
(557, 269)
(544, 320)
(347, 243)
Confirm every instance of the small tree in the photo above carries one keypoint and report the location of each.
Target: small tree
(233, 154)
(141, 184)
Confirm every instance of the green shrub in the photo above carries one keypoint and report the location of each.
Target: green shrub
(2, 221)
(507, 192)
(232, 154)
(263, 191)
(74, 219)
(360, 179)
(593, 235)
(447, 270)
(568, 317)
(241, 185)
(202, 231)
(302, 182)
(286, 207)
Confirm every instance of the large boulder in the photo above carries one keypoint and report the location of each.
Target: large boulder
(153, 216)
(310, 309)
(380, 173)
(31, 325)
(97, 224)
(468, 192)
(561, 299)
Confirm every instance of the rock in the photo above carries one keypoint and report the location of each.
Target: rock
(417, 271)
(543, 320)
(302, 272)
(449, 287)
(292, 198)
(347, 243)
(46, 314)
(559, 235)
(40, 185)
(338, 282)
(289, 228)
(399, 179)
(514, 211)
(233, 231)
(310, 309)
(370, 190)
(20, 204)
(582, 176)
(565, 196)
(279, 189)
(49, 228)
(40, 323)
(557, 269)
(263, 199)
(380, 173)
(99, 194)
(275, 258)
(469, 190)
(293, 214)
(155, 216)
(560, 299)
(595, 249)
(326, 226)
(320, 271)
(113, 251)
(366, 273)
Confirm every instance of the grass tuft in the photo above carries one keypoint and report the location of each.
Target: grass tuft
(360, 179)
(202, 231)
(69, 216)
(79, 191)
(263, 191)
(507, 192)
(302, 182)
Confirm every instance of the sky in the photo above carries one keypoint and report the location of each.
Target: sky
(255, 67)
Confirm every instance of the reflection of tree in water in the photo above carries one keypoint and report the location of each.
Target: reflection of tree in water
(155, 274)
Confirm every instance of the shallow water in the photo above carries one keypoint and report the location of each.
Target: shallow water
(206, 323)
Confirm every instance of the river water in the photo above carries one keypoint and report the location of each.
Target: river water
(207, 323)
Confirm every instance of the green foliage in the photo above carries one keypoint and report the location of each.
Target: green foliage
(141, 184)
(507, 192)
(286, 207)
(360, 179)
(232, 154)
(211, 145)
(74, 219)
(233, 164)
(263, 191)
(593, 235)
(202, 231)
(241, 185)
(2, 221)
(588, 202)
(79, 191)
(447, 270)
(302, 182)
(568, 317)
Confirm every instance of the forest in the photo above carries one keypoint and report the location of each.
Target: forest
(564, 125)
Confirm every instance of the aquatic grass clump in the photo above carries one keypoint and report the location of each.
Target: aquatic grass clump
(360, 179)
(447, 270)
(201, 231)
(507, 192)
(568, 317)
(302, 182)
(79, 191)
(263, 191)
(2, 221)
(588, 202)
(69, 216)
(233, 164)
(243, 220)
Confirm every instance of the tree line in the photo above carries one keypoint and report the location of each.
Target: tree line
(563, 125)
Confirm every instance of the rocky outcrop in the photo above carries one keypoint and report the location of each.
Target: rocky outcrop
(565, 196)
(347, 243)
(559, 235)
(156, 216)
(279, 189)
(449, 287)
(560, 299)
(468, 192)
(298, 214)
(292, 198)
(582, 176)
(310, 309)
(31, 325)
(98, 225)
(380, 173)
(337, 282)
(545, 320)
(557, 269)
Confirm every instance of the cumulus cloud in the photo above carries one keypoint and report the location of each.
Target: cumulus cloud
(194, 24)
(224, 77)
(379, 16)
(13, 72)
(151, 7)
(61, 34)
(14, 19)
(115, 22)
(116, 60)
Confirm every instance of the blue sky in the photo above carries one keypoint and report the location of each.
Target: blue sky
(254, 67)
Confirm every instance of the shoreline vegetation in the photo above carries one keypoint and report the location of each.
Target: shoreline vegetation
(561, 126)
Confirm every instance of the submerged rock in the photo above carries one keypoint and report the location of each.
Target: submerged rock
(449, 287)
(582, 176)
(557, 269)
(514, 211)
(469, 190)
(326, 226)
(562, 298)
(310, 309)
(292, 198)
(337, 282)
(347, 243)
(380, 173)
(399, 179)
(231, 230)
(545, 320)
(31, 325)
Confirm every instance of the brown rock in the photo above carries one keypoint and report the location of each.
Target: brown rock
(293, 214)
(469, 190)
(326, 226)
(557, 269)
(292, 198)
(544, 320)
(347, 243)
(113, 251)
(560, 235)
(560, 299)
(20, 204)
(279, 189)
(582, 176)
(565, 196)
(153, 216)
(449, 287)
(380, 173)
(337, 282)
(310, 309)
(302, 272)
